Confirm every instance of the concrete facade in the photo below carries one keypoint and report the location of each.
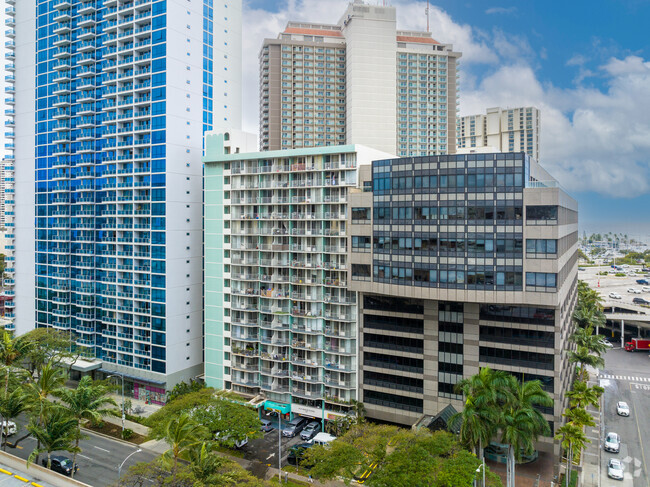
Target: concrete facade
(505, 130)
(360, 81)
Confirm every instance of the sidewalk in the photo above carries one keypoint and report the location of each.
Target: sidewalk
(535, 474)
(591, 456)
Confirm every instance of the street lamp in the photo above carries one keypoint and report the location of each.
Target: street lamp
(119, 469)
(481, 466)
(117, 374)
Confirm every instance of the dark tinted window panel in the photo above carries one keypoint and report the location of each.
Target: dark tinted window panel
(406, 325)
(406, 364)
(393, 401)
(387, 303)
(518, 314)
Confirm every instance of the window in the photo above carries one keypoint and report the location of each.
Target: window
(360, 244)
(361, 272)
(541, 213)
(517, 314)
(541, 279)
(541, 246)
(360, 215)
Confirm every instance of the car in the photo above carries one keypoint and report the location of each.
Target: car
(645, 269)
(311, 430)
(615, 469)
(640, 301)
(266, 426)
(8, 428)
(622, 409)
(60, 464)
(633, 290)
(296, 453)
(643, 282)
(645, 289)
(294, 426)
(581, 269)
(615, 296)
(606, 344)
(613, 443)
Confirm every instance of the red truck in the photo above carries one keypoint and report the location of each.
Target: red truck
(637, 344)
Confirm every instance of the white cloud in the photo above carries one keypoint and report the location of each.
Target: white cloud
(591, 139)
(501, 10)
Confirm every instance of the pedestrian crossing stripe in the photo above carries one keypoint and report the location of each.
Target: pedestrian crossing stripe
(624, 377)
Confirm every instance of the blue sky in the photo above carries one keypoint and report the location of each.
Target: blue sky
(586, 65)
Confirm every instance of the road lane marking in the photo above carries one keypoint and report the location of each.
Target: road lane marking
(107, 451)
(84, 456)
(638, 429)
(21, 478)
(5, 471)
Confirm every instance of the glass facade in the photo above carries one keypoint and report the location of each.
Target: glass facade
(101, 176)
(463, 228)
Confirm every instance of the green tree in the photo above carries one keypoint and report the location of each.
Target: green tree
(584, 337)
(12, 350)
(210, 469)
(229, 422)
(521, 423)
(182, 435)
(48, 345)
(58, 433)
(582, 396)
(50, 379)
(483, 393)
(584, 357)
(11, 406)
(183, 388)
(579, 416)
(87, 401)
(182, 404)
(571, 436)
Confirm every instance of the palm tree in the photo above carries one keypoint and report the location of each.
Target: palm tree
(57, 433)
(50, 379)
(571, 435)
(582, 395)
(10, 407)
(87, 401)
(12, 349)
(579, 416)
(521, 422)
(477, 425)
(584, 337)
(181, 435)
(483, 393)
(584, 357)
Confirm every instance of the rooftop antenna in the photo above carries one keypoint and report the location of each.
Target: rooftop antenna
(426, 11)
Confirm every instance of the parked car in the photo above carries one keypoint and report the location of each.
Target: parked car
(8, 428)
(297, 452)
(60, 464)
(640, 301)
(266, 425)
(615, 469)
(633, 290)
(622, 409)
(294, 426)
(605, 343)
(645, 289)
(615, 296)
(613, 443)
(311, 430)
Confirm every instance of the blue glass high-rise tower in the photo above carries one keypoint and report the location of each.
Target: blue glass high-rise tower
(119, 93)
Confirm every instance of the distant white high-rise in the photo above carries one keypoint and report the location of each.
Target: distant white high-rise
(109, 178)
(505, 130)
(360, 81)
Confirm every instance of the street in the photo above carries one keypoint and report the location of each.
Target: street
(98, 462)
(626, 377)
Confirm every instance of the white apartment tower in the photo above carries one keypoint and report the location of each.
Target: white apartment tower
(505, 130)
(109, 178)
(360, 81)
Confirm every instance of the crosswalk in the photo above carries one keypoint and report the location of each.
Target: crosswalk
(624, 377)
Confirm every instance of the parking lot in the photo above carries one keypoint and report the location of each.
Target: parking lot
(265, 450)
(620, 285)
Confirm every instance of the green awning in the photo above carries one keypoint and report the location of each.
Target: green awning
(277, 406)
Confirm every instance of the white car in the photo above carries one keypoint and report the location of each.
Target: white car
(605, 343)
(612, 443)
(615, 469)
(622, 409)
(633, 290)
(615, 296)
(645, 289)
(8, 428)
